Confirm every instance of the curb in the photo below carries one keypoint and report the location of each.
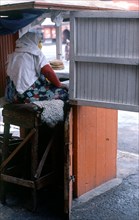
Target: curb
(97, 191)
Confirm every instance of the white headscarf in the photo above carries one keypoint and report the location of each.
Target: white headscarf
(28, 43)
(24, 65)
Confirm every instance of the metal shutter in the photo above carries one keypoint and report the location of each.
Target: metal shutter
(104, 67)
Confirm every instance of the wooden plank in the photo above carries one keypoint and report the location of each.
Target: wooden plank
(100, 147)
(84, 150)
(60, 5)
(16, 5)
(90, 154)
(68, 174)
(95, 146)
(111, 143)
(75, 151)
(41, 164)
(73, 5)
(80, 150)
(45, 180)
(8, 159)
(109, 105)
(7, 45)
(18, 181)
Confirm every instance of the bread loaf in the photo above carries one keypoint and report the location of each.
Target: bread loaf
(57, 64)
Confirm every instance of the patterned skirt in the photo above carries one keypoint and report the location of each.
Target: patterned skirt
(41, 90)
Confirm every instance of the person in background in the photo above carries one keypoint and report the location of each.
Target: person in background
(65, 36)
(29, 76)
(67, 50)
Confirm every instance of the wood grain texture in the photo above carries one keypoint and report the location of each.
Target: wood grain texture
(95, 147)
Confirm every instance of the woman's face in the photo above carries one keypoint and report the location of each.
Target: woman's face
(40, 45)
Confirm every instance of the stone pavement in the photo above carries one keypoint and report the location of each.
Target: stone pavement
(117, 199)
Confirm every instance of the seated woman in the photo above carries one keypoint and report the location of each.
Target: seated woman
(30, 77)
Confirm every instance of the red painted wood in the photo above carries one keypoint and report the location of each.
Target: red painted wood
(94, 147)
(7, 45)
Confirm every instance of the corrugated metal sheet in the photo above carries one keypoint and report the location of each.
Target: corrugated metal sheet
(108, 37)
(107, 83)
(105, 59)
(7, 44)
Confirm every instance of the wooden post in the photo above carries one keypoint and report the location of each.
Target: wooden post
(58, 42)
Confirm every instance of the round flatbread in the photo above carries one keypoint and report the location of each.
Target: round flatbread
(56, 62)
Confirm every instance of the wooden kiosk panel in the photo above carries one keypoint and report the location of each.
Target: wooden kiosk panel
(95, 147)
(7, 45)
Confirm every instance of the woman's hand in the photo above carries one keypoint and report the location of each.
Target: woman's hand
(49, 73)
(64, 86)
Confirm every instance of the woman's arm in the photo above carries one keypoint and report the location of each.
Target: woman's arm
(49, 73)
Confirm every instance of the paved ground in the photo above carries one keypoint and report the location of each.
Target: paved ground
(106, 202)
(117, 199)
(120, 202)
(128, 132)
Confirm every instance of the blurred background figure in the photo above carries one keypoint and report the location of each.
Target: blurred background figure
(66, 41)
(65, 36)
(67, 50)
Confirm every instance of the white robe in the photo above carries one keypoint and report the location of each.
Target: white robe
(24, 65)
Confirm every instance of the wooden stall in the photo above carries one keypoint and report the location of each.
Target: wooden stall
(91, 148)
(104, 73)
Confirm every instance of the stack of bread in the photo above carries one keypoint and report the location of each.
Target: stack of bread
(57, 64)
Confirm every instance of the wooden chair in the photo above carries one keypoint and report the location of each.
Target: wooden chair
(26, 116)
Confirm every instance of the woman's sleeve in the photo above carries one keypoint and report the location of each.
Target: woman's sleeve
(49, 73)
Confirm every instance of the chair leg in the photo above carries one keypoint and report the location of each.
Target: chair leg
(34, 197)
(32, 202)
(34, 165)
(2, 192)
(34, 154)
(4, 156)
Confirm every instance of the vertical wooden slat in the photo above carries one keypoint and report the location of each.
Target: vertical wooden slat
(111, 143)
(81, 149)
(90, 143)
(100, 146)
(7, 45)
(68, 161)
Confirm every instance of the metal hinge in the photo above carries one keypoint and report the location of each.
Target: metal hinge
(72, 178)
